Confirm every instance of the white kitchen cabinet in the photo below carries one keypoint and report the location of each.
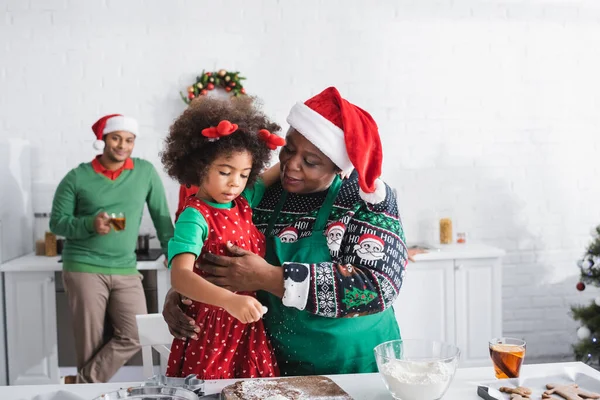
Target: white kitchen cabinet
(478, 308)
(425, 306)
(31, 333)
(454, 295)
(30, 318)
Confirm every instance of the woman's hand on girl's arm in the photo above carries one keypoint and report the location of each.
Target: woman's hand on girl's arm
(244, 272)
(185, 281)
(271, 175)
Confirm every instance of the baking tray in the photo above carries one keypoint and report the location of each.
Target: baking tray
(160, 387)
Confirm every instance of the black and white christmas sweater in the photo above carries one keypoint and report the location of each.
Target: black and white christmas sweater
(366, 243)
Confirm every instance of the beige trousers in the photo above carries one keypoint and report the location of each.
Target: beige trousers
(93, 297)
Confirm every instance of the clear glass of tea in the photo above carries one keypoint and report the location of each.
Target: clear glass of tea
(117, 221)
(507, 356)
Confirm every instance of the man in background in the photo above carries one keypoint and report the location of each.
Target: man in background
(98, 208)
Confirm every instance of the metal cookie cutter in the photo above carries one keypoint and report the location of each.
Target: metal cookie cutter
(190, 382)
(161, 387)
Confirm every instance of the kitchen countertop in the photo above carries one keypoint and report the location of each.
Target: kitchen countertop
(33, 263)
(459, 251)
(359, 386)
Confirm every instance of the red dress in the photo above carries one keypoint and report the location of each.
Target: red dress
(226, 348)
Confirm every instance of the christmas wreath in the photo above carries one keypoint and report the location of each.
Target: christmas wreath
(230, 81)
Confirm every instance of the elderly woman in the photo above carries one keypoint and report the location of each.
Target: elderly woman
(335, 246)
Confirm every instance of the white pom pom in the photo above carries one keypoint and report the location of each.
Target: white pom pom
(99, 144)
(597, 301)
(377, 196)
(583, 333)
(264, 310)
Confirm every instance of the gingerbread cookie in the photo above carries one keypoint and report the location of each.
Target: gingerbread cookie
(517, 393)
(569, 392)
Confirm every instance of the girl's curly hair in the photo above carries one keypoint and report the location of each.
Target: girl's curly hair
(187, 154)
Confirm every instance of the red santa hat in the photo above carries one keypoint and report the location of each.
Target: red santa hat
(368, 238)
(346, 134)
(112, 123)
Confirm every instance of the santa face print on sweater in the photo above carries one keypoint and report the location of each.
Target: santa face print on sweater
(370, 248)
(288, 235)
(335, 233)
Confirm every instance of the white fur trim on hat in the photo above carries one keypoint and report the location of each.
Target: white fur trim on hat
(121, 123)
(321, 132)
(377, 196)
(99, 144)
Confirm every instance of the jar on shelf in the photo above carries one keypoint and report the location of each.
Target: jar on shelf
(50, 242)
(445, 231)
(461, 237)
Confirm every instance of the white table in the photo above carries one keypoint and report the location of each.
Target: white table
(360, 387)
(30, 318)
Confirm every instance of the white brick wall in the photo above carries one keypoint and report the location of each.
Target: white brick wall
(489, 110)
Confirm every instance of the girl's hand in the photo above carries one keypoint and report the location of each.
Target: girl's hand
(245, 308)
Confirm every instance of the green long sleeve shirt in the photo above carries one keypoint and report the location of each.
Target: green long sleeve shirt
(83, 193)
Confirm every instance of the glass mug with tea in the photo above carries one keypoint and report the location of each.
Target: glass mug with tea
(117, 221)
(507, 356)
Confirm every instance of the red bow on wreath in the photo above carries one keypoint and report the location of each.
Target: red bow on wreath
(273, 141)
(224, 128)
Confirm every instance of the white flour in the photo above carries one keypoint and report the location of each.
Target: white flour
(417, 380)
(265, 389)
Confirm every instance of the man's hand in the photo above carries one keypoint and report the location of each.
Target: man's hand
(180, 325)
(102, 223)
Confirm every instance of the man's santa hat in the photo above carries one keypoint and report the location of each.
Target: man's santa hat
(368, 238)
(113, 123)
(347, 135)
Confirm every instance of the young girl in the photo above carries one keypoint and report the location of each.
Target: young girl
(220, 146)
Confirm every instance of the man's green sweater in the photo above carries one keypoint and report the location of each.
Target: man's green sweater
(83, 193)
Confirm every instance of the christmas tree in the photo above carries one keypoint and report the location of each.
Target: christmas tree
(588, 347)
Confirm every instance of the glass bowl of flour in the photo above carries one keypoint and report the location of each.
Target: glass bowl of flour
(417, 369)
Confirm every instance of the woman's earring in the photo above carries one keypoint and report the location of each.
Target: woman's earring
(344, 175)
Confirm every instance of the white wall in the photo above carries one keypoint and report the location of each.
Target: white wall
(16, 216)
(488, 110)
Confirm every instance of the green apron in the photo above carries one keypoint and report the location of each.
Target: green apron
(308, 344)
